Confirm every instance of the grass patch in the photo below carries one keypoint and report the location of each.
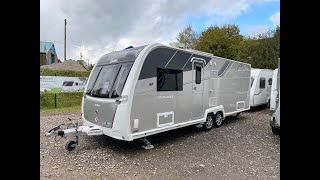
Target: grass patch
(58, 90)
(66, 100)
(68, 73)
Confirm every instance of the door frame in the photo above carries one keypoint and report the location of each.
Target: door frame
(202, 63)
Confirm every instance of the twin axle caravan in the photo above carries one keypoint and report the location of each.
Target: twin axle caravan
(146, 90)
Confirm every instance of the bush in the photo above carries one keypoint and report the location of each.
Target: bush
(66, 99)
(50, 72)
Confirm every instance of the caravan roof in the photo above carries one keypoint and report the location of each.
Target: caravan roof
(255, 72)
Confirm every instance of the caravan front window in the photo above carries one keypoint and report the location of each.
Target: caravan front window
(105, 80)
(108, 81)
(121, 79)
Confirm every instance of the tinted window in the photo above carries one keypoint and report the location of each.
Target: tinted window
(121, 79)
(93, 79)
(156, 58)
(169, 79)
(67, 83)
(270, 81)
(252, 79)
(198, 74)
(105, 80)
(262, 83)
(179, 60)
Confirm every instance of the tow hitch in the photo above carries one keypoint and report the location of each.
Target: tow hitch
(76, 131)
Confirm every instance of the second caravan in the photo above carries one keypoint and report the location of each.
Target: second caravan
(261, 81)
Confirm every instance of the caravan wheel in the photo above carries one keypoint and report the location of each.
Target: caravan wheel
(208, 124)
(218, 118)
(71, 145)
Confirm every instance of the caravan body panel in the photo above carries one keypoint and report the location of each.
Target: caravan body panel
(168, 88)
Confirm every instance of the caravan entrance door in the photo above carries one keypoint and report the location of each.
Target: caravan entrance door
(197, 89)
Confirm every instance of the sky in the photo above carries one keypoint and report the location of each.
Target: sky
(97, 27)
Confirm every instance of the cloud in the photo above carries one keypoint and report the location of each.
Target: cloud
(255, 30)
(275, 19)
(103, 26)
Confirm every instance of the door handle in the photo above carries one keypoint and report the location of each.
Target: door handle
(194, 88)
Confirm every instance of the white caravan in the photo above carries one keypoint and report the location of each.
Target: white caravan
(275, 89)
(261, 81)
(275, 121)
(137, 92)
(70, 86)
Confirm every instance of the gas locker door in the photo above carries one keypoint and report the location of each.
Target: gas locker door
(197, 89)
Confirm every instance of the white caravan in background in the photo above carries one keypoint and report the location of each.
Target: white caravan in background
(275, 89)
(275, 101)
(261, 81)
(70, 86)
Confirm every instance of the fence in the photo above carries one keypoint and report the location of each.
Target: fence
(60, 100)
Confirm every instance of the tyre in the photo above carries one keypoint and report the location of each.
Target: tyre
(275, 131)
(209, 122)
(218, 118)
(71, 145)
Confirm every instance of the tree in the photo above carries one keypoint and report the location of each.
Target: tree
(91, 66)
(262, 52)
(187, 37)
(221, 41)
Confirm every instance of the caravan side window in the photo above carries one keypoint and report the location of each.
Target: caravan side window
(270, 81)
(169, 79)
(198, 74)
(262, 83)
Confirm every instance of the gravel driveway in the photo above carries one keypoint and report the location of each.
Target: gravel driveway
(242, 148)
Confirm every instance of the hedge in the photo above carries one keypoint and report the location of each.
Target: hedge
(65, 99)
(68, 73)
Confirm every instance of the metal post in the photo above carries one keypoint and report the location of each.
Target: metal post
(65, 39)
(55, 100)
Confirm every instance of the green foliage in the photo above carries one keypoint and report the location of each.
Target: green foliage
(262, 52)
(227, 42)
(187, 37)
(64, 100)
(49, 72)
(221, 41)
(91, 66)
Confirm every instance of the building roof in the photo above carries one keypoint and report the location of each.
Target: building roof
(45, 46)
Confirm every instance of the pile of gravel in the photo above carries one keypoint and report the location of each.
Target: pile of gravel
(65, 65)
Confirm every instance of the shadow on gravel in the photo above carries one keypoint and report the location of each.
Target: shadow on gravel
(232, 119)
(158, 140)
(257, 108)
(128, 147)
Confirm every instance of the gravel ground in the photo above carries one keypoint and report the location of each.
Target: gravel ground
(242, 148)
